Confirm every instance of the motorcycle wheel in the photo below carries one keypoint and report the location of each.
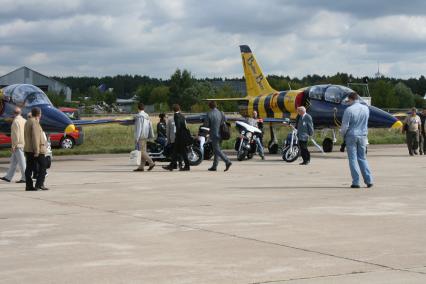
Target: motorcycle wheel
(194, 156)
(250, 156)
(241, 155)
(291, 156)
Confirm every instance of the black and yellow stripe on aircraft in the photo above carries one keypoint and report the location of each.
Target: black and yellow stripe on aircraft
(277, 105)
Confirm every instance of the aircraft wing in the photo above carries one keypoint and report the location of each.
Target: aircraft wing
(275, 120)
(199, 118)
(103, 121)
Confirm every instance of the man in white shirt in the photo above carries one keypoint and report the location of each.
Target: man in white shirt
(18, 157)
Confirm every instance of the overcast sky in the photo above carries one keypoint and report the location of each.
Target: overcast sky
(295, 38)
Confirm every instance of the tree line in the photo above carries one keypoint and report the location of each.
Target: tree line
(183, 88)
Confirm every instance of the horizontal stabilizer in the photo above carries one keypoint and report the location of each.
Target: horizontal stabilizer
(228, 100)
(103, 121)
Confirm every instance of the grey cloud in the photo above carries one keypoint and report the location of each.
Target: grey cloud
(365, 8)
(156, 37)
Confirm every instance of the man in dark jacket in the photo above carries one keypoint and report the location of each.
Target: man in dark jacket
(214, 120)
(182, 138)
(305, 129)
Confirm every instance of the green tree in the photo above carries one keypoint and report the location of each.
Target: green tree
(405, 95)
(383, 94)
(56, 99)
(228, 92)
(143, 93)
(110, 98)
(420, 102)
(179, 82)
(159, 95)
(193, 96)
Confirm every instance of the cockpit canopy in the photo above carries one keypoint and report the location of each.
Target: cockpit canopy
(330, 93)
(24, 95)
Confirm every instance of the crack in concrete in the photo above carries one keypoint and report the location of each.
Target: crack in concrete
(314, 277)
(224, 234)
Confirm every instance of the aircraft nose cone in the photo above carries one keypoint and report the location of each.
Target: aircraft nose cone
(381, 119)
(53, 120)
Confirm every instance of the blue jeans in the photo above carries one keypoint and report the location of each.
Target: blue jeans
(259, 147)
(356, 147)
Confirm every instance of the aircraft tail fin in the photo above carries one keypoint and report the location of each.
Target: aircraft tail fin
(256, 82)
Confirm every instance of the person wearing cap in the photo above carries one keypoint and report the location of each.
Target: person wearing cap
(412, 127)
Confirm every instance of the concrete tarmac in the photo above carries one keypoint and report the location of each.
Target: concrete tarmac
(261, 222)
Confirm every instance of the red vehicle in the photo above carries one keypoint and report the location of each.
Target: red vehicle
(57, 139)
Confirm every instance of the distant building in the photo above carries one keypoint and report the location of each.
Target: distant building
(25, 75)
(126, 105)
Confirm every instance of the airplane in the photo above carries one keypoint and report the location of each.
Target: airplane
(325, 103)
(53, 120)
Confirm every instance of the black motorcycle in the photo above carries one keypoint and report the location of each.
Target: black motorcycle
(158, 152)
(246, 145)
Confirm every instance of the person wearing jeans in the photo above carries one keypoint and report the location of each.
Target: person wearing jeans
(355, 130)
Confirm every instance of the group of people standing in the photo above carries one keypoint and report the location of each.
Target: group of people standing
(29, 147)
(174, 131)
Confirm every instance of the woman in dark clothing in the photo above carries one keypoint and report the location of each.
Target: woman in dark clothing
(162, 130)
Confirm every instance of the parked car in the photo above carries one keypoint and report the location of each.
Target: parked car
(56, 139)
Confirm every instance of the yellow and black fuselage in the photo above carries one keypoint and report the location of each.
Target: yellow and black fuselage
(276, 105)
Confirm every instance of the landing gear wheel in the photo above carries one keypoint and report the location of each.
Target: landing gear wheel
(327, 145)
(272, 147)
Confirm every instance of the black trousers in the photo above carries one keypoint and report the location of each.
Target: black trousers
(304, 152)
(179, 154)
(35, 164)
(422, 143)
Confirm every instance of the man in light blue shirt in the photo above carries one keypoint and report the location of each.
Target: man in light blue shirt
(355, 130)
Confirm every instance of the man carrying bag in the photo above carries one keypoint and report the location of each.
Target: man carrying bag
(219, 130)
(143, 132)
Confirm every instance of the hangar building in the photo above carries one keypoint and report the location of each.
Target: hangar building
(25, 75)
